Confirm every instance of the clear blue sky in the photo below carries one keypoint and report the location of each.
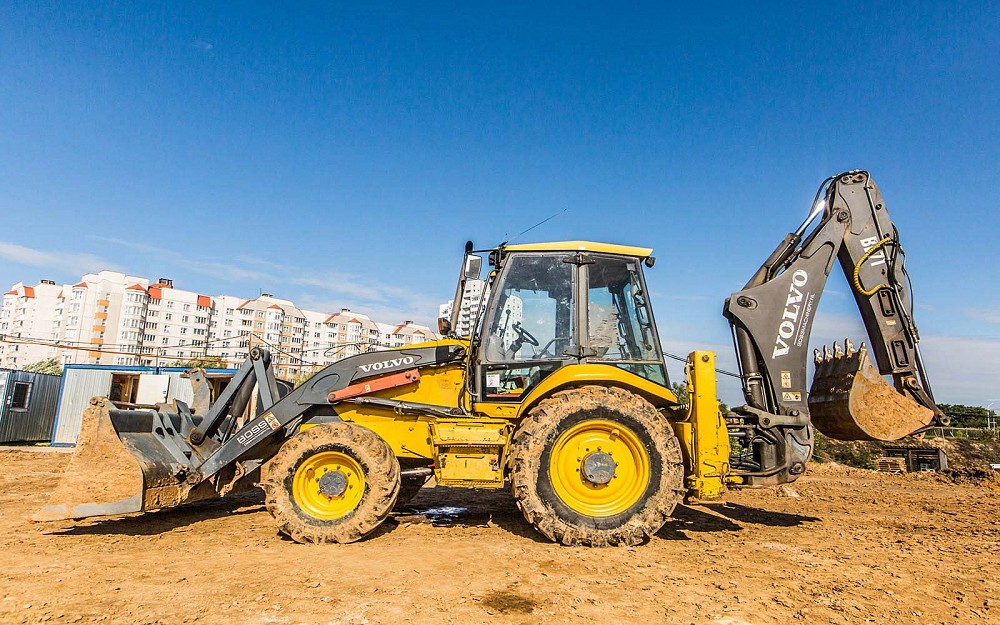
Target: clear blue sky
(341, 156)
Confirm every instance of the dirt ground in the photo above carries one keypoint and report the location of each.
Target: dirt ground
(853, 547)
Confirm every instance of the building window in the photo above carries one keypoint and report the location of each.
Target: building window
(20, 396)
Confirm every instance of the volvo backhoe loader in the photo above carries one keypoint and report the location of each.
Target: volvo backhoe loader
(558, 389)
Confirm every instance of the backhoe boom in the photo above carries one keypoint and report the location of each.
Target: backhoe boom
(772, 319)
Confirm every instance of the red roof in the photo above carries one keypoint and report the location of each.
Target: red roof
(11, 293)
(161, 285)
(155, 292)
(29, 291)
(59, 296)
(276, 306)
(83, 284)
(136, 287)
(243, 305)
(204, 300)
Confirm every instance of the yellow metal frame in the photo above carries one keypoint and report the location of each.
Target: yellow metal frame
(582, 246)
(579, 375)
(703, 433)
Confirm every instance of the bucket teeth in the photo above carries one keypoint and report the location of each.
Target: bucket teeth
(827, 355)
(838, 352)
(849, 347)
(817, 356)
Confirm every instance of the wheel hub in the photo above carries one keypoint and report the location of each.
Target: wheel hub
(599, 467)
(333, 483)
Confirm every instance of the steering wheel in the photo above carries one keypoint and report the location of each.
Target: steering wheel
(523, 336)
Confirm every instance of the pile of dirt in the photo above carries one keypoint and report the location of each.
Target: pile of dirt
(962, 453)
(983, 478)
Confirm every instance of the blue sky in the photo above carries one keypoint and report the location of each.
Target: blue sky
(341, 156)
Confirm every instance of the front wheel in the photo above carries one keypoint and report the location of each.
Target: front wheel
(596, 466)
(333, 483)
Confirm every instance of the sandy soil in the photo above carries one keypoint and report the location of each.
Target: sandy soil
(854, 547)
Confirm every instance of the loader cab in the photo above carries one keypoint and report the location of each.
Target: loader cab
(549, 305)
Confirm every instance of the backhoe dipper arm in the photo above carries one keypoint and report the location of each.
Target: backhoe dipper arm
(772, 316)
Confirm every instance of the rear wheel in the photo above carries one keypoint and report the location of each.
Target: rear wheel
(596, 466)
(333, 483)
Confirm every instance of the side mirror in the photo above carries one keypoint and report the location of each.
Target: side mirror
(473, 266)
(444, 326)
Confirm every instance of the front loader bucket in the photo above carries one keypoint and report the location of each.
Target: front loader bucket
(103, 478)
(850, 401)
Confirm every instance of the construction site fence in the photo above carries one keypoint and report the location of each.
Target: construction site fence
(976, 434)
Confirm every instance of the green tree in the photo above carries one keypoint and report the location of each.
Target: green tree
(208, 362)
(965, 416)
(50, 366)
(680, 390)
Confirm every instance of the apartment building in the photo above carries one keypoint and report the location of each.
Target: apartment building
(28, 311)
(275, 324)
(175, 327)
(114, 318)
(472, 299)
(91, 315)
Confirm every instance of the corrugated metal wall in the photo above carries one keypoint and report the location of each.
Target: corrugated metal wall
(79, 385)
(34, 422)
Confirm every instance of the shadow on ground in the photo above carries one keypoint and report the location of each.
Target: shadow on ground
(162, 521)
(442, 507)
(724, 517)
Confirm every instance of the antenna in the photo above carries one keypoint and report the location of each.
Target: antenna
(550, 217)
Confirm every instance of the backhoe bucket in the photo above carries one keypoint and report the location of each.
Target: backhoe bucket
(850, 401)
(103, 477)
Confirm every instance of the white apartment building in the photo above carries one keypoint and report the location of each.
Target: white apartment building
(113, 318)
(275, 324)
(472, 299)
(26, 312)
(175, 326)
(92, 314)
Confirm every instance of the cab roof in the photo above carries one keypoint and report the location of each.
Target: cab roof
(581, 246)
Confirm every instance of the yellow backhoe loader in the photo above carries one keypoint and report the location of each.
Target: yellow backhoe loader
(557, 387)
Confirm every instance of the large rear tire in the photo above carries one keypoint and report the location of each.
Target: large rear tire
(333, 483)
(596, 466)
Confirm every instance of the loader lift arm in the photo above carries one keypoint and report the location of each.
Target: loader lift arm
(772, 318)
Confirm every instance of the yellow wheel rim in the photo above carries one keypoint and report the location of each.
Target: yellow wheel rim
(599, 439)
(333, 496)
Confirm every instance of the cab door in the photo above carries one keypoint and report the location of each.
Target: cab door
(531, 328)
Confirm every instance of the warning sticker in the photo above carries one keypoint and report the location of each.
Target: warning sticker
(786, 379)
(791, 396)
(272, 421)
